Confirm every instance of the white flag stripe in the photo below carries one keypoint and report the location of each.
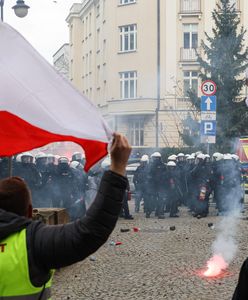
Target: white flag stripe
(35, 92)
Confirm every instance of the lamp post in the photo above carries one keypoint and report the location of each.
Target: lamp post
(21, 10)
(158, 74)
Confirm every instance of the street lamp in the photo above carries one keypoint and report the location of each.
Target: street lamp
(21, 9)
(158, 75)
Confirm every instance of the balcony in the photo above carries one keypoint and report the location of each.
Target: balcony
(137, 106)
(190, 8)
(188, 55)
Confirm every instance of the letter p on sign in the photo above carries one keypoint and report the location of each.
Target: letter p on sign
(208, 127)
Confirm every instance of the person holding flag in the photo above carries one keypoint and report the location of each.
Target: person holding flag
(38, 106)
(31, 250)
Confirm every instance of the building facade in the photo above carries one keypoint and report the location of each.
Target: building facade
(136, 60)
(61, 60)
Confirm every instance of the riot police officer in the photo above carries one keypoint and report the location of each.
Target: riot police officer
(139, 180)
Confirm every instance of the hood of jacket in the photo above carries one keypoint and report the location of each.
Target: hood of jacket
(11, 223)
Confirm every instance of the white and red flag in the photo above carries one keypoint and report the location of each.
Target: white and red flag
(38, 106)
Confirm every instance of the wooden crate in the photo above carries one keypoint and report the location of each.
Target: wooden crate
(51, 216)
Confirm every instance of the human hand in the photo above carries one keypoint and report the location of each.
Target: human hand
(119, 152)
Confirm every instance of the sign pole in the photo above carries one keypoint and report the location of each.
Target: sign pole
(208, 146)
(208, 113)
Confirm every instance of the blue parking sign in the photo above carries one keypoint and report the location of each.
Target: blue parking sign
(208, 128)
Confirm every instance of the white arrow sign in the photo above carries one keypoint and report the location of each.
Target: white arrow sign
(208, 102)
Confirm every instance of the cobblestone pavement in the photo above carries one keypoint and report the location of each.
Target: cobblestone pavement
(154, 263)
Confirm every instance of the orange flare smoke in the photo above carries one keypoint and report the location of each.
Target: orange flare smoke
(215, 266)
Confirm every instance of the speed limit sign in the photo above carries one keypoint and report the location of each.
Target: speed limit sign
(208, 88)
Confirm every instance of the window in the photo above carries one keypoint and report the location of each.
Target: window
(128, 37)
(137, 132)
(123, 2)
(190, 36)
(128, 85)
(190, 81)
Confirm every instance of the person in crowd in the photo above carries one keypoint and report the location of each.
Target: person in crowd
(78, 208)
(93, 181)
(139, 180)
(190, 164)
(155, 187)
(125, 212)
(217, 179)
(4, 167)
(201, 176)
(28, 171)
(77, 156)
(64, 184)
(181, 169)
(172, 189)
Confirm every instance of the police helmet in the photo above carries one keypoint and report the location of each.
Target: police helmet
(144, 157)
(18, 157)
(180, 154)
(172, 157)
(200, 156)
(50, 158)
(227, 156)
(156, 154)
(76, 156)
(27, 157)
(171, 164)
(219, 157)
(235, 157)
(191, 157)
(63, 160)
(74, 164)
(40, 155)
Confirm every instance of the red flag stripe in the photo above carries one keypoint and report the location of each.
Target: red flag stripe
(17, 135)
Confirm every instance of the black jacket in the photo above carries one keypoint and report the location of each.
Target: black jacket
(52, 247)
(241, 291)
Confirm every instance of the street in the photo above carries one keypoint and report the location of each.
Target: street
(155, 262)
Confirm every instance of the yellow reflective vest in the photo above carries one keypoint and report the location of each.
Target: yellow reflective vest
(15, 283)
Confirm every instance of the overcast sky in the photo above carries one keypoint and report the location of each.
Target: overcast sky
(44, 26)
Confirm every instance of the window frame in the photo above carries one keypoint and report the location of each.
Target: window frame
(127, 36)
(191, 33)
(137, 132)
(190, 78)
(125, 82)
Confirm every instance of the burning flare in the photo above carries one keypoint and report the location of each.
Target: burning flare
(215, 266)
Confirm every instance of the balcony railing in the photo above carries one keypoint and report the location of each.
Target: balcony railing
(188, 54)
(190, 6)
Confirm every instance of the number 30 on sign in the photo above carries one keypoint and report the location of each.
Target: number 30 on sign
(208, 88)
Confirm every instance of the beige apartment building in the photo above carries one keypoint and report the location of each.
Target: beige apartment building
(114, 62)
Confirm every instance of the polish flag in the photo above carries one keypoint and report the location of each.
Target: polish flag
(38, 106)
